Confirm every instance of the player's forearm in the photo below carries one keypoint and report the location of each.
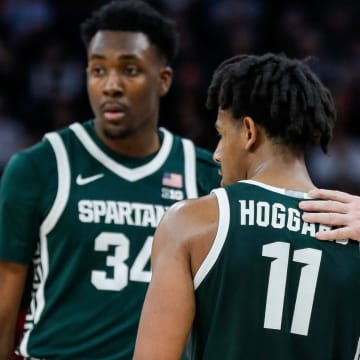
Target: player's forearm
(5, 355)
(12, 280)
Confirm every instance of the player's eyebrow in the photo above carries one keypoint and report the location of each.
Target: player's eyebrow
(97, 56)
(120, 57)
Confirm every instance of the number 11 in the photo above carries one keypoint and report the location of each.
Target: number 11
(277, 284)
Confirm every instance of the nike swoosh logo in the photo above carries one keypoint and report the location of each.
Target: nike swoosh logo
(86, 180)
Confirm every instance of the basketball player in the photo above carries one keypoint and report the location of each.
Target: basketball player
(239, 267)
(83, 203)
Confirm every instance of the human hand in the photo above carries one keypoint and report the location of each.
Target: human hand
(335, 208)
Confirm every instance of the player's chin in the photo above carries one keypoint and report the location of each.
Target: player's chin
(116, 131)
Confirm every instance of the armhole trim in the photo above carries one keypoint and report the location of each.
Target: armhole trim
(190, 169)
(357, 354)
(221, 234)
(63, 168)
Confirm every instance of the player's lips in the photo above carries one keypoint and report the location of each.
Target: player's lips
(113, 111)
(113, 115)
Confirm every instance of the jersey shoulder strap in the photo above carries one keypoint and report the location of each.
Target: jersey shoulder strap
(190, 168)
(220, 237)
(64, 175)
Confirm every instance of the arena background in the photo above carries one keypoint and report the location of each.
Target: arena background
(42, 67)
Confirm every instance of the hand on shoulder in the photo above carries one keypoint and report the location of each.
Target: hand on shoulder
(335, 208)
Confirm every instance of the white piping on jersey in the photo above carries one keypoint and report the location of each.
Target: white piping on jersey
(190, 169)
(283, 191)
(63, 190)
(223, 227)
(121, 170)
(357, 354)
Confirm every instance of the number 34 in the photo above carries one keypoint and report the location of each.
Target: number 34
(121, 275)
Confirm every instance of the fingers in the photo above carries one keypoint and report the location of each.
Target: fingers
(328, 206)
(331, 195)
(336, 209)
(332, 235)
(330, 219)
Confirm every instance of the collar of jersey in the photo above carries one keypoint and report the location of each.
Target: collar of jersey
(130, 174)
(283, 191)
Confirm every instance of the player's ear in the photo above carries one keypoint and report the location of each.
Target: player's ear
(165, 80)
(250, 132)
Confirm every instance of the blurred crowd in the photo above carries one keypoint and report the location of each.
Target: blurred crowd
(42, 67)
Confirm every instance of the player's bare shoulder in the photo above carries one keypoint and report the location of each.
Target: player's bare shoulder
(189, 227)
(192, 215)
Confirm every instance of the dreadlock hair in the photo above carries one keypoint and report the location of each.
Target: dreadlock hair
(135, 16)
(283, 95)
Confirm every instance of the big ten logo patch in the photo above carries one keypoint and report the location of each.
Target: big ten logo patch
(172, 194)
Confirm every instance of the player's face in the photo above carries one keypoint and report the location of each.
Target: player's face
(126, 77)
(230, 152)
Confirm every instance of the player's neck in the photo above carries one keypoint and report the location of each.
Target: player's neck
(136, 145)
(283, 173)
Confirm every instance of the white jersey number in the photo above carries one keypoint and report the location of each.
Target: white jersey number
(121, 277)
(277, 284)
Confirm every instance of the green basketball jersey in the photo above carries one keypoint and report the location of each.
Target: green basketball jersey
(97, 213)
(269, 290)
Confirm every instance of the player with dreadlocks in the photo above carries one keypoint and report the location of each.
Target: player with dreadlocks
(240, 267)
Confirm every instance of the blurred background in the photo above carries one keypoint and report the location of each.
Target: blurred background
(42, 67)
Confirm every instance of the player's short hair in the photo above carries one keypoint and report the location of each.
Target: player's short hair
(135, 16)
(283, 95)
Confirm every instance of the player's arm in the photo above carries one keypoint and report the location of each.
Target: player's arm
(12, 281)
(182, 242)
(169, 305)
(335, 208)
(20, 189)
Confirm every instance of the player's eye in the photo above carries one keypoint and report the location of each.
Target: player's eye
(97, 71)
(131, 70)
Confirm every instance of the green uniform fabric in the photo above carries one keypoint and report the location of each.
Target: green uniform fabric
(97, 213)
(269, 290)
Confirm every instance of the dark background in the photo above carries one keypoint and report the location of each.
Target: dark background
(42, 67)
